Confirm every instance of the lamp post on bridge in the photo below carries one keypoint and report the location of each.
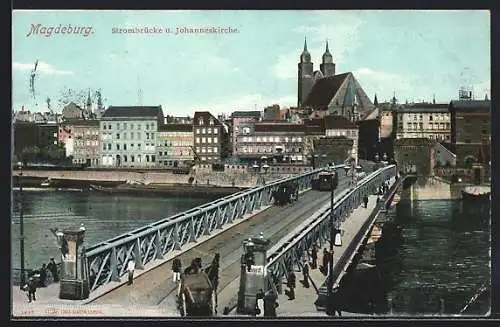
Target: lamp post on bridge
(332, 226)
(21, 225)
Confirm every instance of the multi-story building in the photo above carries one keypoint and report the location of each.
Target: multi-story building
(341, 126)
(25, 135)
(210, 138)
(175, 144)
(128, 136)
(424, 120)
(85, 142)
(240, 121)
(277, 141)
(471, 130)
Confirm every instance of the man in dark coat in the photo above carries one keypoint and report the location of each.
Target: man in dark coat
(305, 273)
(291, 285)
(314, 257)
(270, 304)
(31, 289)
(43, 276)
(52, 266)
(324, 267)
(365, 201)
(176, 269)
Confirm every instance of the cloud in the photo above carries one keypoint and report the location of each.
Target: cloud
(341, 31)
(42, 67)
(384, 84)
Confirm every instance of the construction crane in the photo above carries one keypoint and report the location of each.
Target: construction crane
(32, 79)
(196, 156)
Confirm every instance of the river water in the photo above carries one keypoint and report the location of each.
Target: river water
(430, 251)
(433, 257)
(103, 215)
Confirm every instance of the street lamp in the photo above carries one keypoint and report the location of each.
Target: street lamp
(334, 182)
(21, 224)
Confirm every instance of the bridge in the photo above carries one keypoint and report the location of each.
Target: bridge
(220, 227)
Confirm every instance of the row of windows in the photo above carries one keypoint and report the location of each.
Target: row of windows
(206, 150)
(107, 146)
(268, 150)
(206, 140)
(431, 117)
(207, 131)
(431, 126)
(346, 133)
(209, 158)
(125, 135)
(270, 139)
(202, 122)
(148, 126)
(176, 153)
(88, 143)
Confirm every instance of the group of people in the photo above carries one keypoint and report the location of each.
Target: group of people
(266, 304)
(38, 278)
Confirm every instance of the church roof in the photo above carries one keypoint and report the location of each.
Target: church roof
(324, 90)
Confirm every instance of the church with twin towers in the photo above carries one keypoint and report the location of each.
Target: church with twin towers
(329, 93)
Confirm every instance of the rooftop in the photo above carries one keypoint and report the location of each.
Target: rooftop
(175, 128)
(324, 90)
(338, 122)
(133, 111)
(249, 114)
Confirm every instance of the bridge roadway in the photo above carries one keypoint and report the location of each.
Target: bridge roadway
(156, 288)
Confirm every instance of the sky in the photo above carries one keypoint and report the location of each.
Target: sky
(413, 54)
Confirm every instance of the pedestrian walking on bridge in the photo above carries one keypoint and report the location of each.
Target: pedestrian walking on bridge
(52, 266)
(176, 269)
(365, 201)
(130, 269)
(305, 273)
(324, 267)
(291, 285)
(31, 288)
(314, 257)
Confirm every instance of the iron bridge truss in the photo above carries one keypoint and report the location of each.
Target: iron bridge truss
(107, 261)
(293, 251)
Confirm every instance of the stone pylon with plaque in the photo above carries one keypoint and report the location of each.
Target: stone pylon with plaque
(253, 273)
(74, 284)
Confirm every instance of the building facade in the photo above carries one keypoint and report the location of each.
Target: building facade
(278, 142)
(471, 131)
(128, 136)
(85, 142)
(415, 155)
(175, 145)
(210, 138)
(242, 120)
(330, 149)
(336, 126)
(430, 121)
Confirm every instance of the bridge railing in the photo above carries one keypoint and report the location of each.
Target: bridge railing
(295, 249)
(107, 260)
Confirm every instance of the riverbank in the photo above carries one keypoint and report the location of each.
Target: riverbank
(434, 188)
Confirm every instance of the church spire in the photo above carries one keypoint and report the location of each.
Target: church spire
(486, 97)
(305, 56)
(375, 101)
(327, 56)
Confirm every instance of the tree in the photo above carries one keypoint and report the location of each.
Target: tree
(30, 154)
(68, 95)
(54, 153)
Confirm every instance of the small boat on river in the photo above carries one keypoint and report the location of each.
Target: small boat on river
(474, 193)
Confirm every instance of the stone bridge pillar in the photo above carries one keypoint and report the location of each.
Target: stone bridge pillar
(74, 284)
(253, 273)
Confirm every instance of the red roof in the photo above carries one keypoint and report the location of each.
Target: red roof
(324, 90)
(338, 122)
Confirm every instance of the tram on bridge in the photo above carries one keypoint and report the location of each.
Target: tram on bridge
(325, 180)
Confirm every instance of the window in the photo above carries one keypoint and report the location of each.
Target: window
(197, 140)
(198, 149)
(147, 128)
(421, 125)
(409, 125)
(209, 140)
(197, 131)
(211, 121)
(125, 135)
(132, 158)
(430, 117)
(203, 150)
(131, 135)
(414, 117)
(139, 128)
(109, 146)
(104, 126)
(467, 141)
(117, 136)
(118, 147)
(215, 140)
(216, 130)
(203, 140)
(125, 146)
(152, 136)
(139, 145)
(109, 126)
(104, 147)
(203, 131)
(124, 125)
(131, 126)
(147, 157)
(421, 117)
(215, 150)
(138, 135)
(200, 121)
(125, 158)
(117, 125)
(209, 131)
(131, 145)
(209, 150)
(153, 158)
(147, 134)
(160, 153)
